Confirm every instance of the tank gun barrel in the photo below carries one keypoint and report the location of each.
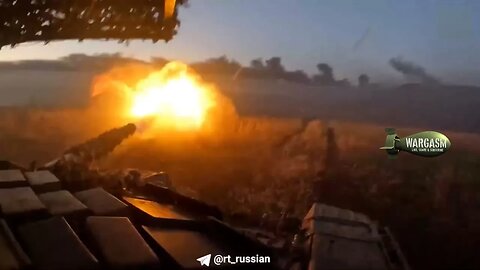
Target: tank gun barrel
(103, 144)
(95, 148)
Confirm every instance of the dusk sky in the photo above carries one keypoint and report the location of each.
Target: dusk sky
(354, 36)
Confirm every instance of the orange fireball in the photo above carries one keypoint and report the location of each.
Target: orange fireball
(173, 94)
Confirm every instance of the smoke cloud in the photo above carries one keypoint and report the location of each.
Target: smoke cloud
(412, 71)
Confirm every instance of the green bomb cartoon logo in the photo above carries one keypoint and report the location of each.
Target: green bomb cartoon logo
(425, 144)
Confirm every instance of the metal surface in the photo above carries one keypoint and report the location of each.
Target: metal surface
(343, 239)
(50, 20)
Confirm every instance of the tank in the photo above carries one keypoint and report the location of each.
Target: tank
(93, 220)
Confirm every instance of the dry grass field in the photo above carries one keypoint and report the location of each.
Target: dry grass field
(252, 165)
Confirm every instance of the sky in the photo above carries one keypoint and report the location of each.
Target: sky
(354, 36)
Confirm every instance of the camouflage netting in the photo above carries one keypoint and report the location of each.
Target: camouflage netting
(51, 20)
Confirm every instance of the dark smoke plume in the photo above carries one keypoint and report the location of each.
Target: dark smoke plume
(326, 76)
(412, 71)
